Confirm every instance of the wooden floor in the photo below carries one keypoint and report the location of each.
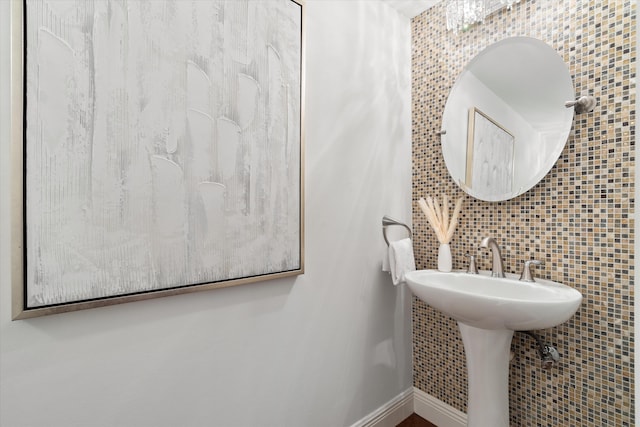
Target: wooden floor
(416, 421)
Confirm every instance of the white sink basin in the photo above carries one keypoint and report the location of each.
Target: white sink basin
(486, 302)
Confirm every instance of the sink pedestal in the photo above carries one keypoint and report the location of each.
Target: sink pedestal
(488, 353)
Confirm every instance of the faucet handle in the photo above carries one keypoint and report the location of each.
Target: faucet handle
(473, 268)
(526, 275)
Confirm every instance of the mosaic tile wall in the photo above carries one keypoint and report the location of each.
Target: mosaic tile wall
(578, 220)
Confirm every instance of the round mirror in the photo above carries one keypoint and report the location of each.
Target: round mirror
(505, 122)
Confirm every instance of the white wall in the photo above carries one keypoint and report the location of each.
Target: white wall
(324, 349)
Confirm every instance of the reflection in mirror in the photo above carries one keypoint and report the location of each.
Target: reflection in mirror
(505, 120)
(489, 155)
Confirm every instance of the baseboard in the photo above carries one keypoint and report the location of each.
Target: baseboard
(391, 413)
(436, 411)
(413, 400)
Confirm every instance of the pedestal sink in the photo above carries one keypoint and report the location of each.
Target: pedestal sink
(488, 310)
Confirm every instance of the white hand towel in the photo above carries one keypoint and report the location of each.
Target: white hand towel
(401, 259)
(385, 260)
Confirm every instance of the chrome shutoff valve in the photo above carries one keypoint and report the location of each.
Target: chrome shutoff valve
(549, 357)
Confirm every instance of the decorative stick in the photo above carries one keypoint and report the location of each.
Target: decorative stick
(432, 206)
(436, 206)
(437, 226)
(454, 220)
(445, 210)
(429, 212)
(445, 214)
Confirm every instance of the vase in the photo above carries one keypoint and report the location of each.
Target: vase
(444, 258)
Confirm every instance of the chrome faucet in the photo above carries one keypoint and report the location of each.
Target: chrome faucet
(526, 275)
(496, 265)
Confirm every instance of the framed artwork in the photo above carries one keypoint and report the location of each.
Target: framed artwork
(490, 155)
(157, 147)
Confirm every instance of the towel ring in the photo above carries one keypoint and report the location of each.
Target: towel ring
(387, 221)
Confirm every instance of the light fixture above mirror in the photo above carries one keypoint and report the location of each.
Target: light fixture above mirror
(462, 14)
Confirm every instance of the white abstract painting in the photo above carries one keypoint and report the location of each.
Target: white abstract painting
(162, 145)
(490, 156)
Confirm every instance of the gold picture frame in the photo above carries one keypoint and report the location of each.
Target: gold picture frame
(490, 155)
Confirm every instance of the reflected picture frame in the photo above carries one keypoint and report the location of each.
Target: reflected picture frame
(490, 155)
(182, 173)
